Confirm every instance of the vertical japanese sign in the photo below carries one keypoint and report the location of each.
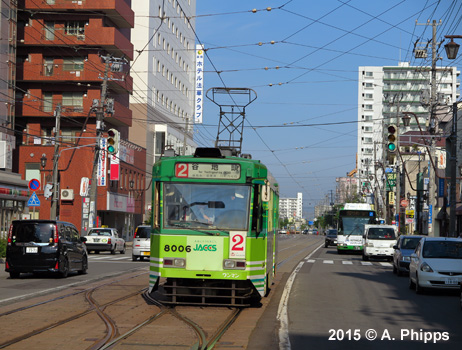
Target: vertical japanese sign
(115, 167)
(199, 84)
(102, 164)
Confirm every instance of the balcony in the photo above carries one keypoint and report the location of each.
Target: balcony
(118, 10)
(90, 70)
(92, 35)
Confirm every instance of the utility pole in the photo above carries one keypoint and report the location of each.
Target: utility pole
(432, 128)
(452, 188)
(99, 128)
(54, 202)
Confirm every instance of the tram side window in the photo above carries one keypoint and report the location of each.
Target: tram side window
(257, 210)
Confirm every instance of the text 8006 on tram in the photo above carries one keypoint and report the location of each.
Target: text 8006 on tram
(214, 222)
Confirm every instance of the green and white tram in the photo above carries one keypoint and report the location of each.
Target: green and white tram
(352, 219)
(214, 227)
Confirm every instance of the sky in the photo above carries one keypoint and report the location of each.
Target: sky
(303, 122)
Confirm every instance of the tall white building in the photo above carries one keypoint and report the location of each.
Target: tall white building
(163, 78)
(384, 93)
(291, 207)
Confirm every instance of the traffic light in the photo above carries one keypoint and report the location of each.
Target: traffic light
(392, 139)
(112, 141)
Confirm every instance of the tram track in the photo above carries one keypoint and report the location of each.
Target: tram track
(94, 306)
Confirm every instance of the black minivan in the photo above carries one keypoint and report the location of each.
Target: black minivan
(45, 246)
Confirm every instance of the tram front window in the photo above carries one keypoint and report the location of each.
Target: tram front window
(202, 206)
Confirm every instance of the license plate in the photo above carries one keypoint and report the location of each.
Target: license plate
(144, 253)
(31, 249)
(95, 239)
(357, 248)
(451, 281)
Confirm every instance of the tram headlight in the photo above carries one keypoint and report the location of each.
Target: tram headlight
(175, 262)
(234, 264)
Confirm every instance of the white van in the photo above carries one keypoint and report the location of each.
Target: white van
(379, 241)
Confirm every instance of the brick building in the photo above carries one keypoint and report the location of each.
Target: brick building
(63, 50)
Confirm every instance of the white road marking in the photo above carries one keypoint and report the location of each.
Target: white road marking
(347, 262)
(283, 315)
(328, 261)
(366, 263)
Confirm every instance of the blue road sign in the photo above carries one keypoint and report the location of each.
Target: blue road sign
(33, 201)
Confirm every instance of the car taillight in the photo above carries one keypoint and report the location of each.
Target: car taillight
(55, 234)
(10, 234)
(136, 231)
(109, 241)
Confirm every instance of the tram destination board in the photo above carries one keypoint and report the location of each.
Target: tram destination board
(208, 171)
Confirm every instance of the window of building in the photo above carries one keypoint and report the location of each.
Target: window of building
(76, 28)
(48, 65)
(47, 101)
(73, 99)
(32, 171)
(369, 74)
(73, 64)
(368, 107)
(49, 30)
(68, 135)
(47, 136)
(368, 85)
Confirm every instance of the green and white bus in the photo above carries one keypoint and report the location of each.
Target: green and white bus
(352, 219)
(214, 226)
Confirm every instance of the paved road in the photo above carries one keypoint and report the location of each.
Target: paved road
(337, 301)
(99, 266)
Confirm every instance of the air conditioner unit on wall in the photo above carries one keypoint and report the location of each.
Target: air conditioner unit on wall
(67, 194)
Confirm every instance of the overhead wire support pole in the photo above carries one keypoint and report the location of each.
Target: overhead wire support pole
(432, 128)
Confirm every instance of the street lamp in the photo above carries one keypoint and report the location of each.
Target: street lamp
(43, 161)
(406, 120)
(452, 48)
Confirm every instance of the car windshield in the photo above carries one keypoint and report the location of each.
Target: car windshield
(206, 206)
(99, 232)
(26, 232)
(143, 232)
(332, 233)
(442, 250)
(409, 243)
(381, 233)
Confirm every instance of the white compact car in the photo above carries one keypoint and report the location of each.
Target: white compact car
(104, 239)
(142, 243)
(436, 263)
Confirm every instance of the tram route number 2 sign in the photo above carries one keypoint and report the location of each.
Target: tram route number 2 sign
(208, 171)
(237, 244)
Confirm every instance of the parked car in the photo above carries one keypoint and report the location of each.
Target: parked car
(283, 232)
(104, 239)
(331, 237)
(404, 247)
(315, 231)
(436, 263)
(142, 242)
(379, 241)
(45, 246)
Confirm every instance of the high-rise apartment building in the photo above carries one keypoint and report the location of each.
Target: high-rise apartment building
(291, 207)
(76, 55)
(384, 93)
(163, 73)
